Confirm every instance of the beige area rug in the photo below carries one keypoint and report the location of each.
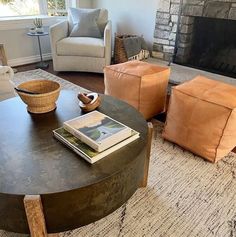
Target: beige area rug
(186, 196)
(41, 74)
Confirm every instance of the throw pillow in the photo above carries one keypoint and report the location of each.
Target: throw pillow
(84, 22)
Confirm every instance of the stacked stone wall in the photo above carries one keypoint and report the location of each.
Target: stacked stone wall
(167, 24)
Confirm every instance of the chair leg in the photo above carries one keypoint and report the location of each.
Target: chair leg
(3, 55)
(35, 216)
(147, 160)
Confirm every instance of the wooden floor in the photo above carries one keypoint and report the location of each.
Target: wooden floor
(90, 81)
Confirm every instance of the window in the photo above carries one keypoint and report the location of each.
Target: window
(56, 7)
(19, 7)
(10, 8)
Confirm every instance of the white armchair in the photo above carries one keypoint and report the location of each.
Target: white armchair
(81, 53)
(6, 88)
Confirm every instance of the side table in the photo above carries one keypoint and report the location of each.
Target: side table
(41, 64)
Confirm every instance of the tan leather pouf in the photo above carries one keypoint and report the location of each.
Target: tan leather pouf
(140, 84)
(202, 118)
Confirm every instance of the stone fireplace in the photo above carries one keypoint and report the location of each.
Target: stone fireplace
(178, 20)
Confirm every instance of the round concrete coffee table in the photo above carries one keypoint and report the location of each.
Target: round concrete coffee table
(73, 193)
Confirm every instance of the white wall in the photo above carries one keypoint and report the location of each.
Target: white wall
(84, 3)
(22, 49)
(131, 16)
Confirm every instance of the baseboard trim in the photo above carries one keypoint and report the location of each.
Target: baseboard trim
(27, 60)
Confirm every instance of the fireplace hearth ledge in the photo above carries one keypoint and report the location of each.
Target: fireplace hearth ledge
(180, 74)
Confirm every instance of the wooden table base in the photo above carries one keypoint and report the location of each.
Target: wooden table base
(147, 161)
(35, 216)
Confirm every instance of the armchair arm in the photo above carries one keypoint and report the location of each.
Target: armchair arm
(57, 32)
(5, 70)
(107, 42)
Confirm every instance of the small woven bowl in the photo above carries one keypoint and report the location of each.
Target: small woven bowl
(43, 102)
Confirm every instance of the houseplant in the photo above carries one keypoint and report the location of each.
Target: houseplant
(39, 25)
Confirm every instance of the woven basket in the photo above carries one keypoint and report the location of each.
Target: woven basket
(120, 53)
(43, 102)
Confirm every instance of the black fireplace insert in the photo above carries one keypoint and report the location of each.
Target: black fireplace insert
(213, 46)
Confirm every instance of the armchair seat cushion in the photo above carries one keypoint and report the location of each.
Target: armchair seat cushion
(81, 46)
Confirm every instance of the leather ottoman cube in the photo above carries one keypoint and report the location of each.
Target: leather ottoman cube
(140, 84)
(202, 118)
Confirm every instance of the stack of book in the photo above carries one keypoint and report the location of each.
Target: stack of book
(95, 135)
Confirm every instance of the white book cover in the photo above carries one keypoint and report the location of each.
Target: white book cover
(97, 130)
